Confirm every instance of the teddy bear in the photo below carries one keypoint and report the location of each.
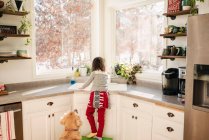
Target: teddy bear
(72, 123)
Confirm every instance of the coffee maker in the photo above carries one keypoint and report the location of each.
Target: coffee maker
(182, 77)
(170, 81)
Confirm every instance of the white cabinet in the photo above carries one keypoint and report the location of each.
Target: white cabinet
(41, 117)
(37, 126)
(127, 119)
(128, 125)
(168, 124)
(80, 101)
(136, 120)
(56, 128)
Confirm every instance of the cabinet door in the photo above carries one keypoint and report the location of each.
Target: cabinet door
(85, 128)
(110, 128)
(56, 127)
(159, 137)
(144, 130)
(80, 103)
(129, 125)
(37, 126)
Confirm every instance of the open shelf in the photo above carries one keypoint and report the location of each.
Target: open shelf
(173, 15)
(171, 57)
(5, 59)
(16, 13)
(173, 36)
(14, 35)
(2, 36)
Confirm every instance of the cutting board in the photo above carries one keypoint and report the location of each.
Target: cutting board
(3, 93)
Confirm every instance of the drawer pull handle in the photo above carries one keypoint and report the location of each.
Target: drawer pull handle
(170, 129)
(132, 117)
(135, 105)
(170, 115)
(53, 115)
(136, 118)
(49, 116)
(50, 103)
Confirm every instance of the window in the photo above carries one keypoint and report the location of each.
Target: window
(63, 34)
(138, 36)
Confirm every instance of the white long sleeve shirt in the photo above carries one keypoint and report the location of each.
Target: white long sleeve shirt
(99, 79)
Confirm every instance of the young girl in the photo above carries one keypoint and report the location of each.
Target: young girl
(98, 97)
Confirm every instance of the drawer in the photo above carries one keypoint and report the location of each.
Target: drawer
(168, 129)
(169, 114)
(159, 137)
(46, 103)
(136, 105)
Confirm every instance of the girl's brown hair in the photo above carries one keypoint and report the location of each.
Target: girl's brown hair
(98, 64)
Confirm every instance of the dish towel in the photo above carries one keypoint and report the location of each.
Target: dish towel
(7, 126)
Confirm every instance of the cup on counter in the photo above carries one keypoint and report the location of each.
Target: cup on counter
(72, 81)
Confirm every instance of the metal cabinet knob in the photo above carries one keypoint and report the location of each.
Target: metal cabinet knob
(53, 115)
(135, 105)
(50, 103)
(132, 117)
(49, 116)
(136, 117)
(170, 129)
(170, 114)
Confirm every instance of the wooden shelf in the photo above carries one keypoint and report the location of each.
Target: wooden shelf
(171, 57)
(14, 35)
(5, 59)
(173, 15)
(173, 36)
(16, 13)
(2, 36)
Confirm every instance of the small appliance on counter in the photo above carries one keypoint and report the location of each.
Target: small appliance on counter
(182, 77)
(170, 81)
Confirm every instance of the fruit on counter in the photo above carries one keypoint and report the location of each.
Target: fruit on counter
(77, 73)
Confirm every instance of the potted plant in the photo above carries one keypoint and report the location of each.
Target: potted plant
(186, 5)
(25, 26)
(194, 6)
(128, 72)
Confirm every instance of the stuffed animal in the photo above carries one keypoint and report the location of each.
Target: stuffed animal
(72, 123)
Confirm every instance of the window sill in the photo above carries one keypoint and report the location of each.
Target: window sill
(149, 76)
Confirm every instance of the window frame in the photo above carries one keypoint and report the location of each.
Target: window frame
(147, 75)
(95, 44)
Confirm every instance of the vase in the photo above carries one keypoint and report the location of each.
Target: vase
(18, 4)
(83, 71)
